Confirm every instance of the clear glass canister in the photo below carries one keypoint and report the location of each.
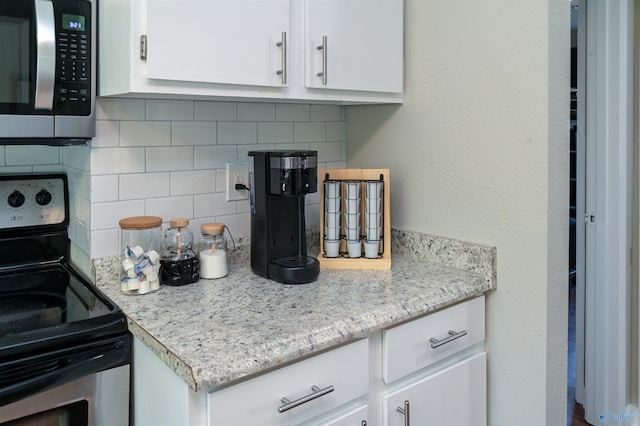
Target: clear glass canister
(140, 237)
(212, 250)
(179, 262)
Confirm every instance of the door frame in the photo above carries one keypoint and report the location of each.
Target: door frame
(604, 241)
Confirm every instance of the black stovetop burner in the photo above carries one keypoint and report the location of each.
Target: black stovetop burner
(54, 324)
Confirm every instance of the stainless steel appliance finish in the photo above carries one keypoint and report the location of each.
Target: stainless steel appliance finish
(92, 400)
(65, 349)
(47, 71)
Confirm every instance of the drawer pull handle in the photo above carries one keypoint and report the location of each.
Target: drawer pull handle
(317, 393)
(453, 335)
(405, 411)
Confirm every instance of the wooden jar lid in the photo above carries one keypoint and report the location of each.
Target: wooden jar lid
(179, 222)
(212, 228)
(140, 222)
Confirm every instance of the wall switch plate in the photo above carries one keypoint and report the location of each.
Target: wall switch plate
(237, 173)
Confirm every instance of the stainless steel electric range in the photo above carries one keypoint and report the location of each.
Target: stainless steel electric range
(64, 346)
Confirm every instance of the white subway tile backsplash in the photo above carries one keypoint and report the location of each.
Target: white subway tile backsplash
(312, 215)
(293, 146)
(120, 109)
(328, 151)
(221, 180)
(145, 133)
(107, 215)
(80, 209)
(207, 205)
(194, 133)
(23, 155)
(107, 134)
(170, 207)
(77, 157)
(17, 169)
(293, 112)
(325, 113)
(162, 109)
(243, 150)
(243, 206)
(80, 234)
(275, 132)
(310, 132)
(215, 157)
(233, 133)
(256, 111)
(79, 181)
(105, 243)
(193, 182)
(169, 159)
(144, 185)
(216, 111)
(47, 168)
(107, 161)
(336, 131)
(239, 225)
(104, 188)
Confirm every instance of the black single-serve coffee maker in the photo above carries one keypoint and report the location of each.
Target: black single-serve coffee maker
(279, 182)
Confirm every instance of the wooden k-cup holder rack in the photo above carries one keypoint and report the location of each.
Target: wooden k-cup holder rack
(360, 221)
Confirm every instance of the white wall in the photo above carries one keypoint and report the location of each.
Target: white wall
(168, 158)
(478, 151)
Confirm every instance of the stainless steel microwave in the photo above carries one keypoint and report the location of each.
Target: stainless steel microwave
(47, 71)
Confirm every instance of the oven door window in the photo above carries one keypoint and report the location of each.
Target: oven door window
(17, 57)
(75, 414)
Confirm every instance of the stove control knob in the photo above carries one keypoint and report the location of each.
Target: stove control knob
(43, 197)
(16, 199)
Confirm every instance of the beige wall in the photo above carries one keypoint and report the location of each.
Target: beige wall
(479, 152)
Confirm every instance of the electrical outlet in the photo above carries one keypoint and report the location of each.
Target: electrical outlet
(237, 173)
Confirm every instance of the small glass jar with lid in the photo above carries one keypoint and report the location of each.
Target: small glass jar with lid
(212, 250)
(179, 262)
(140, 237)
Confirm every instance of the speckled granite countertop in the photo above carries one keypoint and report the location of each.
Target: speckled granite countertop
(218, 331)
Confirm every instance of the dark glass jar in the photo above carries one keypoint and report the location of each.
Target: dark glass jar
(179, 263)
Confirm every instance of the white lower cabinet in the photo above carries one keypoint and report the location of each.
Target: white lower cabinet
(361, 383)
(454, 396)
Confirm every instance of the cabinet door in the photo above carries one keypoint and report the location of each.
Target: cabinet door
(454, 396)
(216, 41)
(363, 49)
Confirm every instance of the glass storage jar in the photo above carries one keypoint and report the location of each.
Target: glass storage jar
(212, 251)
(140, 237)
(178, 263)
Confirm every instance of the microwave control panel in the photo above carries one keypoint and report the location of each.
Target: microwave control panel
(74, 65)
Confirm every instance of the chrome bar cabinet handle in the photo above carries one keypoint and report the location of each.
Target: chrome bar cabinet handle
(323, 47)
(453, 335)
(317, 393)
(405, 411)
(283, 44)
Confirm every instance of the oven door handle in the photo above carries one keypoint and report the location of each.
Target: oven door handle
(74, 366)
(46, 56)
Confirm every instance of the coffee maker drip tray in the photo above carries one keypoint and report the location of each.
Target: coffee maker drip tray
(294, 269)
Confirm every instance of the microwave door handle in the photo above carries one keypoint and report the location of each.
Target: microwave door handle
(46, 56)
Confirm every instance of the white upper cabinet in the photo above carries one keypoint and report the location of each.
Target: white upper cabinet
(252, 50)
(354, 45)
(217, 41)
